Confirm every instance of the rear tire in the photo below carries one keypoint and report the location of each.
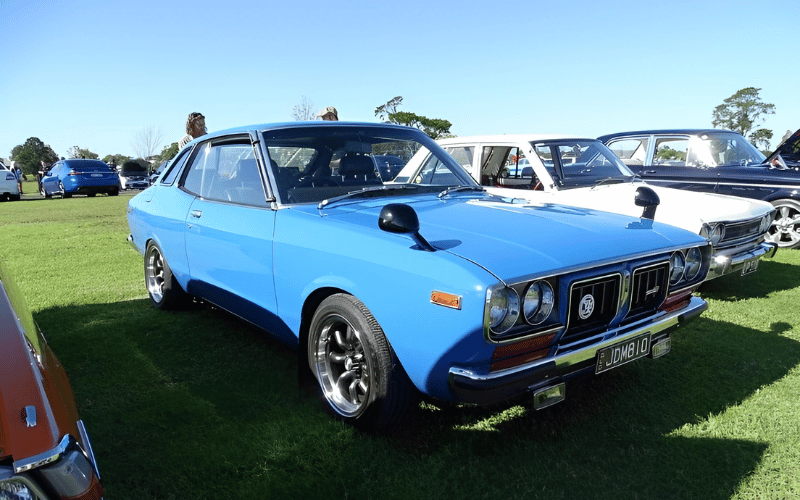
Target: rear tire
(164, 290)
(359, 376)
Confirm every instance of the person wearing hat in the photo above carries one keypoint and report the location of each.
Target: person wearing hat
(195, 127)
(329, 114)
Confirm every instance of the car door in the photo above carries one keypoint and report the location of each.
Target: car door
(670, 164)
(50, 180)
(229, 231)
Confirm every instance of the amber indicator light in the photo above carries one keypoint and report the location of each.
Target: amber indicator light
(446, 299)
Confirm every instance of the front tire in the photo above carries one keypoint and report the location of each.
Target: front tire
(164, 290)
(785, 229)
(360, 379)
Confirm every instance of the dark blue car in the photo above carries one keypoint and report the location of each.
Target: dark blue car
(79, 176)
(719, 161)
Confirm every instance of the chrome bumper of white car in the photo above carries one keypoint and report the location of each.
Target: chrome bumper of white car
(727, 264)
(485, 388)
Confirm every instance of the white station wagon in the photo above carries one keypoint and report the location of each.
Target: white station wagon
(561, 170)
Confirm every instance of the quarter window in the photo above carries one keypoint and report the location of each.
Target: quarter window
(632, 152)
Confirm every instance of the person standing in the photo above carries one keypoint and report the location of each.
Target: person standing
(18, 174)
(195, 127)
(329, 114)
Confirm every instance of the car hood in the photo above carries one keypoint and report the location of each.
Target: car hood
(682, 208)
(789, 150)
(516, 239)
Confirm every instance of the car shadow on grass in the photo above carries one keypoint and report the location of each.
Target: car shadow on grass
(621, 434)
(770, 277)
(217, 401)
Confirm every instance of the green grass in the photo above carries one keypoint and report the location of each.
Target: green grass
(195, 404)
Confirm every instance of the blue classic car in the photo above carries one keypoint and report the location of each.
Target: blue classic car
(79, 176)
(431, 286)
(718, 161)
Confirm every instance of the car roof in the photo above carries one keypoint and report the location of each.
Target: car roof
(683, 131)
(510, 138)
(300, 124)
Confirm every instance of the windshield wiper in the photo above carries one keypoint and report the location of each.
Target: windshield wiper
(372, 191)
(455, 189)
(608, 180)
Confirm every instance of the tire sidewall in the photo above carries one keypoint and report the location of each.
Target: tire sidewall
(371, 336)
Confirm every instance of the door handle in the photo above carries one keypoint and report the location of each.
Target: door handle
(649, 171)
(196, 213)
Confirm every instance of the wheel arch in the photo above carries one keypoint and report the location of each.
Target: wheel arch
(310, 306)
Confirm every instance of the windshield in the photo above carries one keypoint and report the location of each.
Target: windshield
(581, 163)
(717, 149)
(312, 164)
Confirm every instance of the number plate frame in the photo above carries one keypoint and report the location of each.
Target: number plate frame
(621, 353)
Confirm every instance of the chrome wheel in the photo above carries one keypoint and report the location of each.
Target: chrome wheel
(785, 229)
(342, 365)
(154, 274)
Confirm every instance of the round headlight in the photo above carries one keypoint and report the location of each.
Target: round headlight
(503, 309)
(676, 267)
(717, 233)
(538, 302)
(694, 261)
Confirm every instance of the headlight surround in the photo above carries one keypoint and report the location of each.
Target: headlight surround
(503, 307)
(677, 266)
(717, 233)
(538, 302)
(766, 222)
(693, 263)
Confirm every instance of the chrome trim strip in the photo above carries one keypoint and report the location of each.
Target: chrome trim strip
(45, 458)
(561, 364)
(87, 445)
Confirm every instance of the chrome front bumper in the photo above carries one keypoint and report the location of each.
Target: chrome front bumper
(486, 388)
(727, 264)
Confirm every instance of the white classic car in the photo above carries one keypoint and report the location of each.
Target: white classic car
(580, 172)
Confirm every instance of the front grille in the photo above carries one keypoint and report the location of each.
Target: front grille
(592, 305)
(649, 287)
(734, 232)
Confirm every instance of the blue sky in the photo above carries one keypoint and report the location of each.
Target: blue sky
(93, 73)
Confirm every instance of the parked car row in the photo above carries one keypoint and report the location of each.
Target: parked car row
(719, 161)
(426, 284)
(585, 173)
(91, 177)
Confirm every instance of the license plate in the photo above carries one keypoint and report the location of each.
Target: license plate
(624, 352)
(97, 175)
(750, 266)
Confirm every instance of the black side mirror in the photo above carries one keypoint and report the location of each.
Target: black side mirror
(400, 218)
(647, 198)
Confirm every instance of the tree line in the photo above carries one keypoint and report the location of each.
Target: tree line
(741, 112)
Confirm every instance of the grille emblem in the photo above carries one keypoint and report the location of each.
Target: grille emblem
(653, 290)
(586, 306)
